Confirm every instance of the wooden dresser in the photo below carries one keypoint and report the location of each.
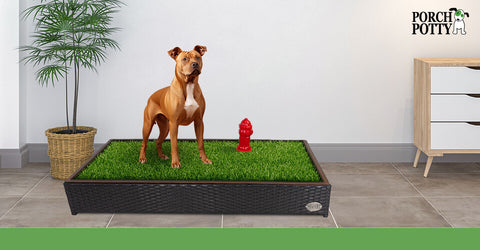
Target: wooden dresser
(446, 107)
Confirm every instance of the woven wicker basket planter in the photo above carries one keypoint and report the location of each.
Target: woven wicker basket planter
(68, 152)
(199, 197)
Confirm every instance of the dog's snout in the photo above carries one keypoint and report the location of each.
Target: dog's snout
(195, 65)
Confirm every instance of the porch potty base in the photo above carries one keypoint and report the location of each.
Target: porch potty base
(199, 197)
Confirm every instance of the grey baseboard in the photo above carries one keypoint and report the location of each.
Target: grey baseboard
(38, 152)
(324, 152)
(14, 158)
(379, 152)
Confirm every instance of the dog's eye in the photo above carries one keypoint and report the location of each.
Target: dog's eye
(184, 59)
(198, 58)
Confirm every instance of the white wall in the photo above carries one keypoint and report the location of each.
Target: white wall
(9, 78)
(325, 71)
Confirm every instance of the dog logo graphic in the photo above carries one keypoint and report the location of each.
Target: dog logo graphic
(459, 24)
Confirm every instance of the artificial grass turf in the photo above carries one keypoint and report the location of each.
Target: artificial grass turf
(268, 161)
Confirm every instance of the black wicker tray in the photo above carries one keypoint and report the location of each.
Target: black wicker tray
(198, 197)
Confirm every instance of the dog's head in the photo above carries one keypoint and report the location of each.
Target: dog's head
(189, 63)
(459, 14)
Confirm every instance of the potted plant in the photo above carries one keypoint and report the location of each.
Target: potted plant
(69, 35)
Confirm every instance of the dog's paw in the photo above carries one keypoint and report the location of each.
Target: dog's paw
(142, 159)
(162, 156)
(206, 161)
(175, 164)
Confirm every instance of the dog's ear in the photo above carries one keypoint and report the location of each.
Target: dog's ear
(200, 49)
(174, 52)
(453, 9)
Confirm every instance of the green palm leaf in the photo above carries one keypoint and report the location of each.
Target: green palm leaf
(50, 73)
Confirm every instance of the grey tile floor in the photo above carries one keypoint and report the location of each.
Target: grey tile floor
(363, 195)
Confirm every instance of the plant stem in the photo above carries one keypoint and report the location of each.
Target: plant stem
(66, 79)
(75, 68)
(66, 95)
(75, 99)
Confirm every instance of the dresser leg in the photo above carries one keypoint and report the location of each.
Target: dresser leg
(417, 157)
(427, 167)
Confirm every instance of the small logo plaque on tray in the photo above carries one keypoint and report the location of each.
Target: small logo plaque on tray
(314, 206)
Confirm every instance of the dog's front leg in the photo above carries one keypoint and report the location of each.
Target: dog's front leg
(199, 133)
(174, 145)
(147, 129)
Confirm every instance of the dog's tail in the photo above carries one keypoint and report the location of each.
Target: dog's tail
(466, 14)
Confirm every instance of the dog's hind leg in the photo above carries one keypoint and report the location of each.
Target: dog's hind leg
(147, 128)
(162, 123)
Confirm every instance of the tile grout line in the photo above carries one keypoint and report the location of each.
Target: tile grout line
(406, 196)
(333, 217)
(109, 221)
(455, 196)
(423, 196)
(380, 196)
(23, 197)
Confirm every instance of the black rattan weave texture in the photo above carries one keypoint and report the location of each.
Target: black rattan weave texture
(196, 198)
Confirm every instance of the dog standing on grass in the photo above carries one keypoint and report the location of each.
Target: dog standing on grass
(181, 103)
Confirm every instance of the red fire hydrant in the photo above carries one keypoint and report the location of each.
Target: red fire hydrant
(245, 133)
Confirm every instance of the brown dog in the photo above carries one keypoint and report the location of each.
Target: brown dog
(179, 104)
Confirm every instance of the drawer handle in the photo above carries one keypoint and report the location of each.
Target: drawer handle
(474, 95)
(474, 123)
(474, 67)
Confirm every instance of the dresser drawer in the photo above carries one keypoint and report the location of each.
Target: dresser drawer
(455, 108)
(455, 80)
(455, 136)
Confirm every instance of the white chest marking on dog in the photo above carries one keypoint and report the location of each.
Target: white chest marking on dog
(190, 104)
